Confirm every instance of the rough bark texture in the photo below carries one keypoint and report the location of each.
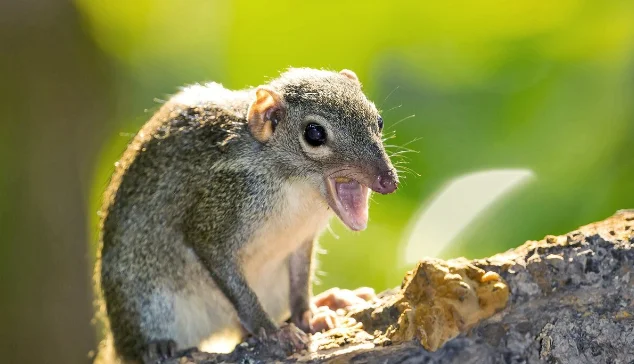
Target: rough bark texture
(564, 299)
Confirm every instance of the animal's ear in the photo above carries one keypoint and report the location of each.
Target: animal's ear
(351, 75)
(265, 113)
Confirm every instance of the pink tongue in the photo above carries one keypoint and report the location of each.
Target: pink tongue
(354, 202)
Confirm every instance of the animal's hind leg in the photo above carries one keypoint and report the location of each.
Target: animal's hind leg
(142, 325)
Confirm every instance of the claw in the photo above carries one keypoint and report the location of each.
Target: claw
(293, 335)
(158, 350)
(304, 320)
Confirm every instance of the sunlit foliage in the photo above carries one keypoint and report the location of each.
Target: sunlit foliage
(540, 85)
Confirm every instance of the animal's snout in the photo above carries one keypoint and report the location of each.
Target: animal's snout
(385, 182)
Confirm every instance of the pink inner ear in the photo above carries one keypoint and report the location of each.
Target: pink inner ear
(275, 115)
(265, 113)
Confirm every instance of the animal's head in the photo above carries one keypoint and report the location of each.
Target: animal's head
(321, 127)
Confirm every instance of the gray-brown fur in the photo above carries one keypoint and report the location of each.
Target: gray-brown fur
(194, 192)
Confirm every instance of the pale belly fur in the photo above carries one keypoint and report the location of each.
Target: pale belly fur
(206, 319)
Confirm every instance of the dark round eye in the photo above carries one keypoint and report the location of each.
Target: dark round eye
(380, 121)
(315, 134)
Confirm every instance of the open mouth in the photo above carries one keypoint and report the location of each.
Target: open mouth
(349, 199)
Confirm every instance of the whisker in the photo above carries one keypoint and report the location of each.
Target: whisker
(390, 94)
(405, 168)
(392, 108)
(401, 155)
(334, 235)
(402, 160)
(401, 152)
(412, 141)
(400, 121)
(402, 148)
(408, 170)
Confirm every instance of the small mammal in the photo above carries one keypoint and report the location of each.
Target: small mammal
(211, 217)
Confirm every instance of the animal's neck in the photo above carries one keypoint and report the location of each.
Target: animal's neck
(300, 214)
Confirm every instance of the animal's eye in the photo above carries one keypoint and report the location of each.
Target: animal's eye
(380, 121)
(315, 134)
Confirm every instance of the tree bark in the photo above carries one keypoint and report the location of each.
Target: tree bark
(564, 299)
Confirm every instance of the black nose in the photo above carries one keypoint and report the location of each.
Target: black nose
(385, 182)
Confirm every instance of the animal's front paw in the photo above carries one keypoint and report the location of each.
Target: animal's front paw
(337, 298)
(323, 319)
(303, 320)
(325, 306)
(290, 338)
(287, 340)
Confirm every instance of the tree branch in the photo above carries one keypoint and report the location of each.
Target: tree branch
(564, 299)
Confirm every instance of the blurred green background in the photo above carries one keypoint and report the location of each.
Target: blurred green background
(538, 85)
